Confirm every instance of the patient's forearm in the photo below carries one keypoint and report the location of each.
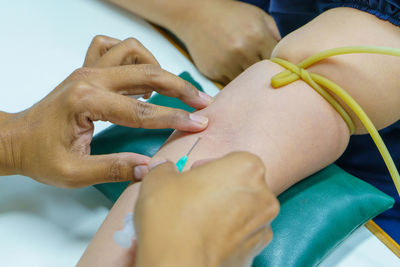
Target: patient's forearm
(294, 130)
(103, 250)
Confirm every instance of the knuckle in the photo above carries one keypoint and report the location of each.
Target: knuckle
(256, 165)
(142, 112)
(64, 170)
(256, 31)
(99, 40)
(132, 42)
(78, 87)
(177, 115)
(151, 72)
(187, 88)
(244, 44)
(251, 163)
(82, 73)
(78, 91)
(67, 176)
(115, 170)
(132, 50)
(238, 46)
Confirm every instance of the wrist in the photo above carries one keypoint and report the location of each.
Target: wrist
(10, 145)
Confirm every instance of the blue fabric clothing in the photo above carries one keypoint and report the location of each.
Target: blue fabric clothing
(362, 158)
(292, 14)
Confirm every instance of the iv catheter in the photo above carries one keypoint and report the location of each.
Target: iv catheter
(182, 161)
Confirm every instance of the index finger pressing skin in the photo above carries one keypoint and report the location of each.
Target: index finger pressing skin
(125, 111)
(139, 79)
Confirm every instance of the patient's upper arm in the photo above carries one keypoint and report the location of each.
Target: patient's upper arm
(373, 80)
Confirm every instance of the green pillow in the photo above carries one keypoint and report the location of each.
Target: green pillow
(316, 214)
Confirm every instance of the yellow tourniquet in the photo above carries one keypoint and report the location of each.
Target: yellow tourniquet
(295, 72)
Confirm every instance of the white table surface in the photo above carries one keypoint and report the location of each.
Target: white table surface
(42, 42)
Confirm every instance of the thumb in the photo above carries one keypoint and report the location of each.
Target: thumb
(111, 168)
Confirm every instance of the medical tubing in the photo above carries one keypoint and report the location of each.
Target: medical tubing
(278, 81)
(295, 72)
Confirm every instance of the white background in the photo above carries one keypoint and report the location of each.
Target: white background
(42, 42)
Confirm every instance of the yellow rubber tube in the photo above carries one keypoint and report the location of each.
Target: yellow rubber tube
(295, 72)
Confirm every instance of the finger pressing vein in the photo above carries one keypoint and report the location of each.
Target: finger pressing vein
(125, 111)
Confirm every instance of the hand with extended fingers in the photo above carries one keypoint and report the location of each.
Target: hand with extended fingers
(50, 141)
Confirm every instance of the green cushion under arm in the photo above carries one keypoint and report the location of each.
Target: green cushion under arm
(316, 214)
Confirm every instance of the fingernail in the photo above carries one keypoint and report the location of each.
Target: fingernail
(206, 97)
(155, 162)
(140, 171)
(199, 119)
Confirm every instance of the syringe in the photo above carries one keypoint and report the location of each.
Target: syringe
(182, 161)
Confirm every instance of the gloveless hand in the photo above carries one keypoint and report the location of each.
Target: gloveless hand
(217, 214)
(225, 37)
(50, 141)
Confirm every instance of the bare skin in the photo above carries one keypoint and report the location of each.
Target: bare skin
(241, 34)
(173, 212)
(293, 130)
(50, 141)
(294, 144)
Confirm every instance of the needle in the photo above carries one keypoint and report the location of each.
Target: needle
(182, 161)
